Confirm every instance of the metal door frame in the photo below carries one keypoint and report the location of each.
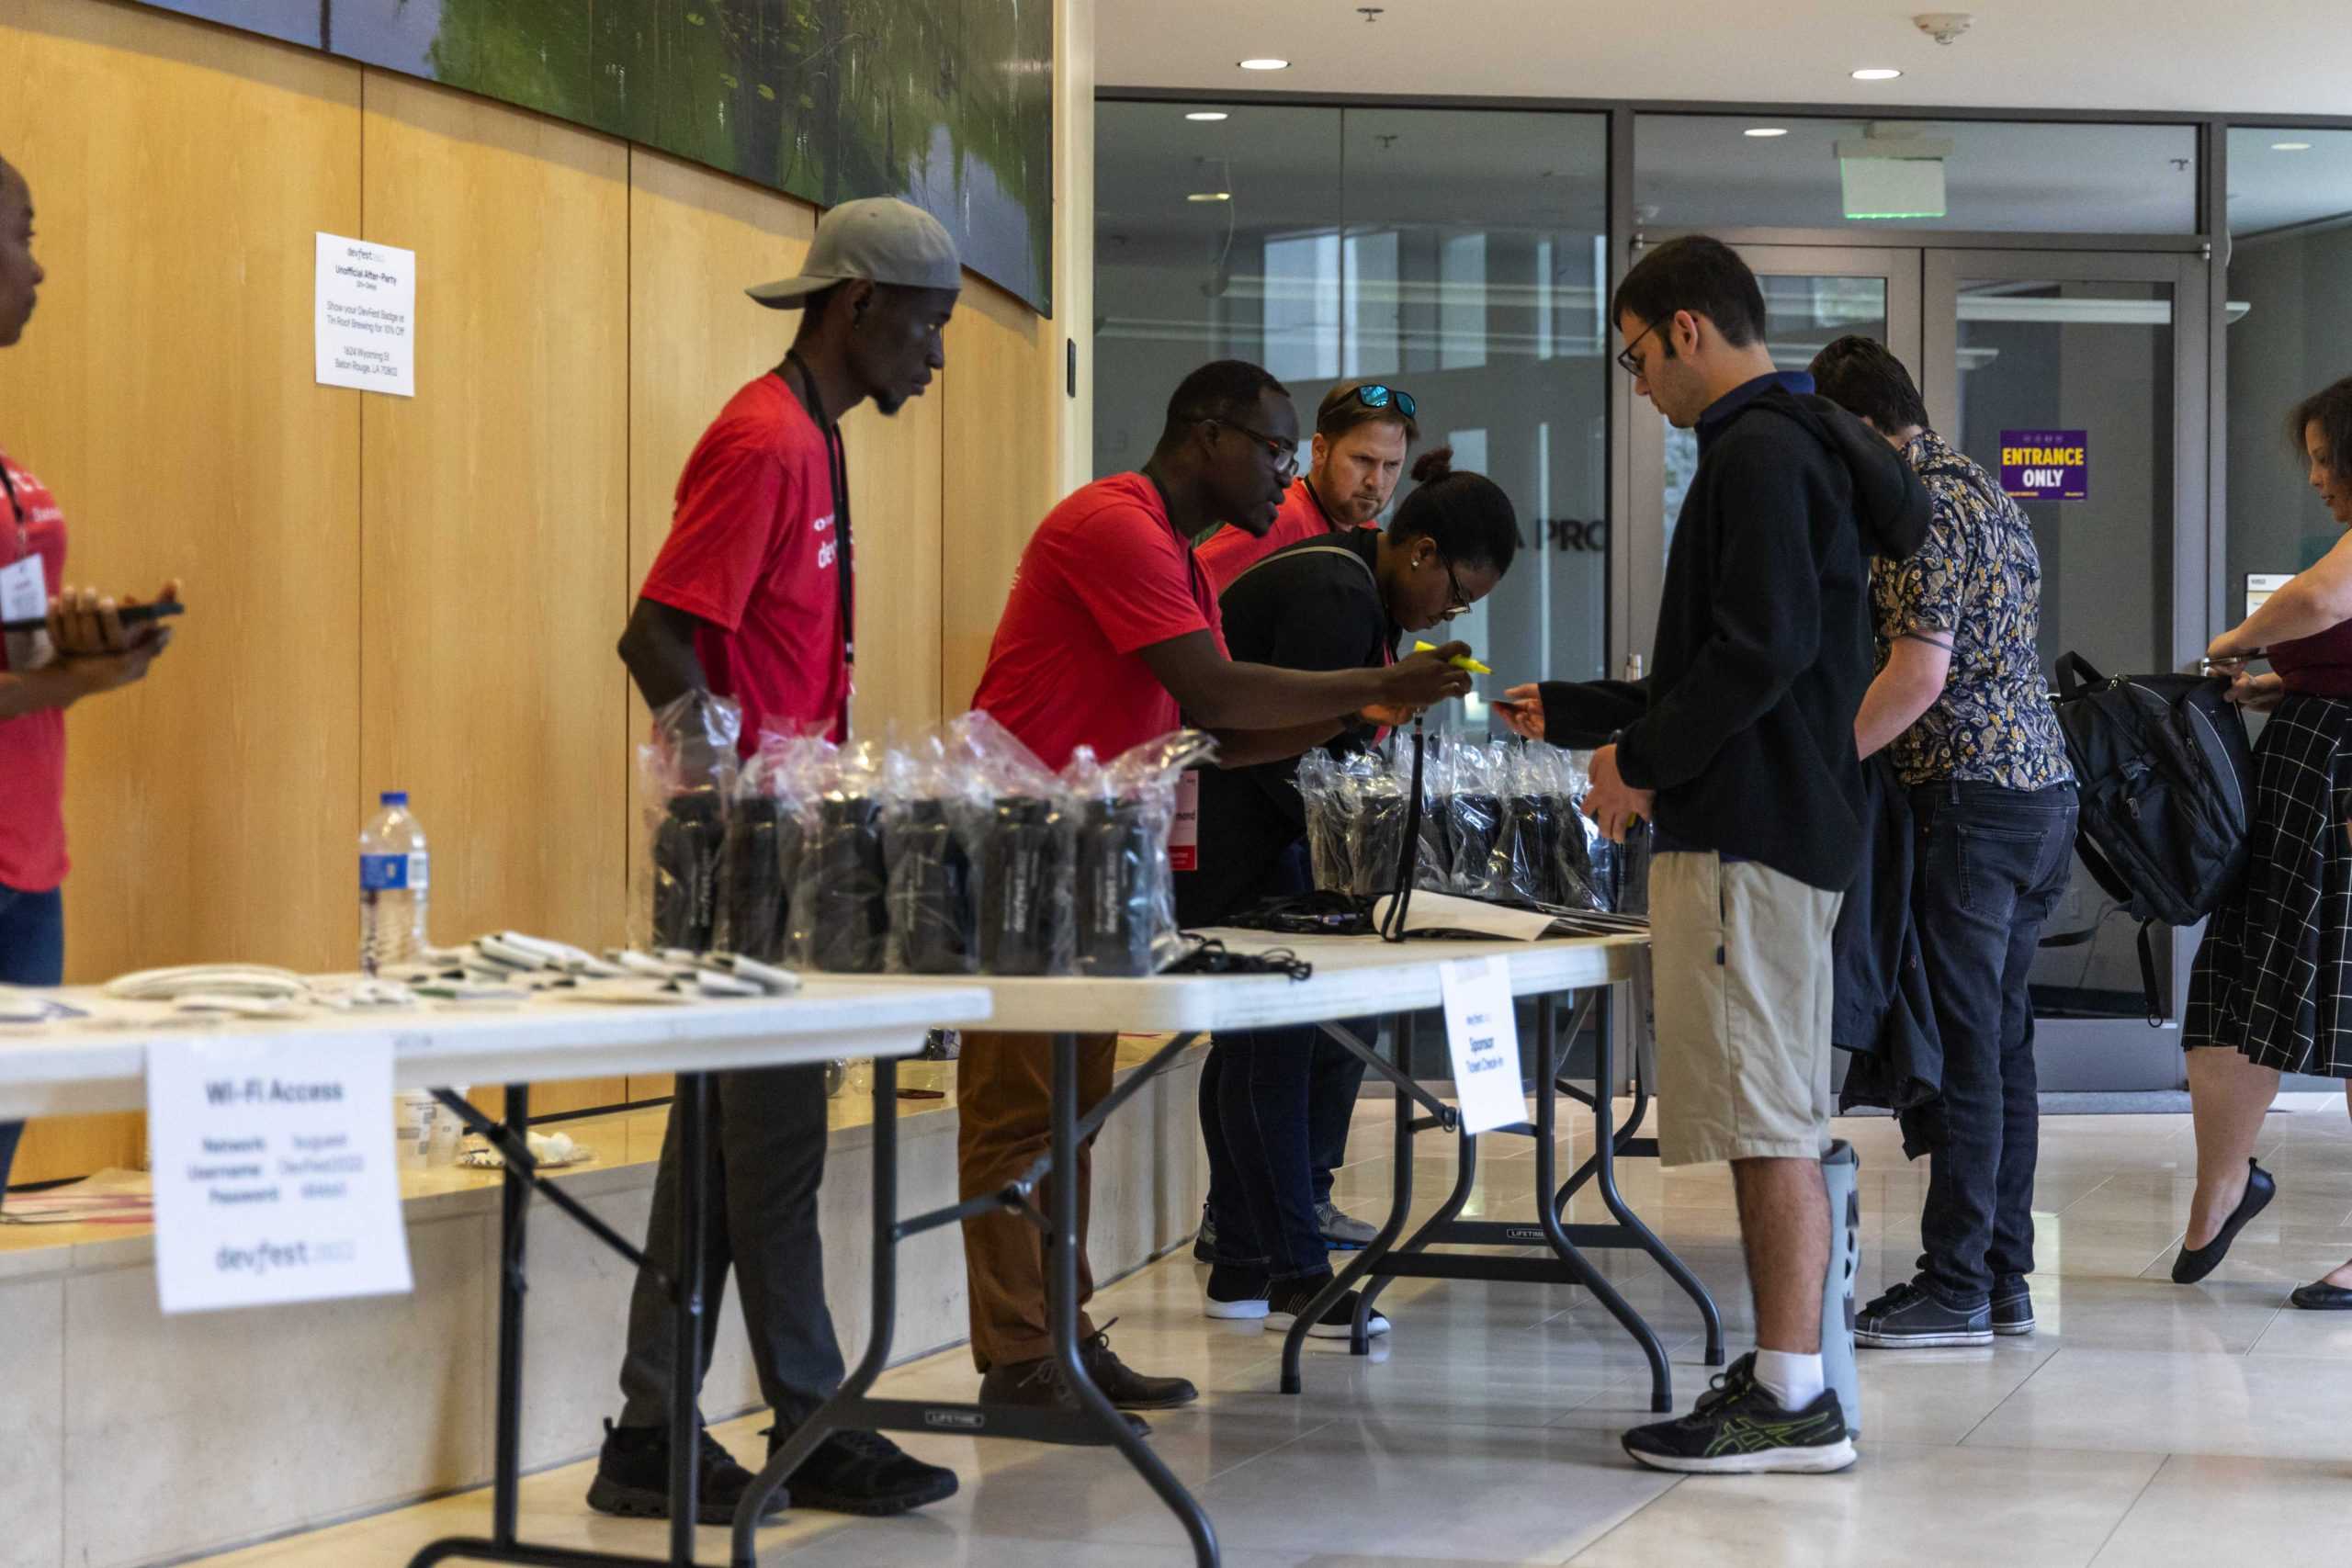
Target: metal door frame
(2113, 1053)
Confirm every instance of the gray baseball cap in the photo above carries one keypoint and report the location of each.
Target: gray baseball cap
(881, 239)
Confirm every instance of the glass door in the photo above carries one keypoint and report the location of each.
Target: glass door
(1812, 294)
(2107, 351)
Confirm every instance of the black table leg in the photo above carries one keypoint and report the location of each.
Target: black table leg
(510, 1137)
(1605, 1172)
(1061, 1287)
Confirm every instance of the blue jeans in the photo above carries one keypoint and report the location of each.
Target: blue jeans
(1993, 864)
(1255, 1093)
(32, 953)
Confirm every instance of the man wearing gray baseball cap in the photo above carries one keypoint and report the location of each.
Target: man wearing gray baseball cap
(751, 599)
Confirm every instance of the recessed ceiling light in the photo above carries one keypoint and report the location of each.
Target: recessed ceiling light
(2290, 147)
(1210, 195)
(1207, 114)
(1265, 65)
(1766, 131)
(1876, 74)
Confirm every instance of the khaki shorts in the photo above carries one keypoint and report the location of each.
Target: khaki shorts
(1744, 1002)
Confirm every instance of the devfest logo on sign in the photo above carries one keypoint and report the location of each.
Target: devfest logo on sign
(2045, 465)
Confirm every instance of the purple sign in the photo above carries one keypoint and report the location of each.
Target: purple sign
(2046, 464)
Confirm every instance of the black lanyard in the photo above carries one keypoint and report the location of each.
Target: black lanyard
(837, 467)
(1329, 522)
(24, 532)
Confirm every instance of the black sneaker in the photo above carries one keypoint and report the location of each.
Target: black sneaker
(863, 1473)
(1910, 1317)
(2012, 1306)
(1235, 1294)
(1039, 1385)
(1205, 1243)
(1337, 1322)
(1739, 1428)
(633, 1478)
(1126, 1387)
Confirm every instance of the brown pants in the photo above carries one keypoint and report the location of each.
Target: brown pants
(1004, 1088)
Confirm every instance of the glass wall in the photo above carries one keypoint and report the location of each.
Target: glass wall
(2290, 334)
(1458, 254)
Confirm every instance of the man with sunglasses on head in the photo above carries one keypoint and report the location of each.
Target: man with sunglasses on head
(1365, 430)
(1112, 637)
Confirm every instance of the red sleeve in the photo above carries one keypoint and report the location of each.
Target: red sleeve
(1133, 578)
(729, 504)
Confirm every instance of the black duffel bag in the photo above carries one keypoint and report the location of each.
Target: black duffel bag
(2167, 782)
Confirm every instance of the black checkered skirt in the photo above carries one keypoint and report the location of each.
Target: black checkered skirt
(2273, 974)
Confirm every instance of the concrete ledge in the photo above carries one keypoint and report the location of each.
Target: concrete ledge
(139, 1439)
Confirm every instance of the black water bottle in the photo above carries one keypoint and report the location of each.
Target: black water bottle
(934, 914)
(1024, 887)
(849, 925)
(1118, 867)
(686, 849)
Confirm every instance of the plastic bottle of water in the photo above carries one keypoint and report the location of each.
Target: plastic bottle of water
(395, 879)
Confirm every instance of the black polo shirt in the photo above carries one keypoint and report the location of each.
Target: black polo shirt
(1315, 605)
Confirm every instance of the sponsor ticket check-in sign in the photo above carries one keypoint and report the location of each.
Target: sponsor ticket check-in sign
(2046, 464)
(274, 1173)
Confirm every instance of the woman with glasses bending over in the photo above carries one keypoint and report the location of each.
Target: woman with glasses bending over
(2272, 991)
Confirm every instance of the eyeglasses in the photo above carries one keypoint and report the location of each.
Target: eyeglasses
(1379, 397)
(1283, 453)
(1460, 603)
(1625, 360)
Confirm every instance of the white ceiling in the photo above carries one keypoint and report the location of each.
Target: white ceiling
(2246, 56)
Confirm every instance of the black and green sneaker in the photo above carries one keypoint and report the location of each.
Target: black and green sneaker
(1739, 1428)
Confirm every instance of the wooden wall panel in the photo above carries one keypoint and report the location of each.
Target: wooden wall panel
(997, 459)
(494, 515)
(895, 501)
(164, 390)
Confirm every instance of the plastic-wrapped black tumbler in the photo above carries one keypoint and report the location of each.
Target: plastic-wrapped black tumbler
(686, 870)
(750, 882)
(1024, 874)
(1377, 841)
(1474, 824)
(1118, 868)
(849, 925)
(934, 911)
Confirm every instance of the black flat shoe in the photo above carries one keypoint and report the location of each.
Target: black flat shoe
(2195, 1262)
(2321, 1297)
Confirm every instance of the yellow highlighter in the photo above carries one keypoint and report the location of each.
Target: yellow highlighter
(1460, 661)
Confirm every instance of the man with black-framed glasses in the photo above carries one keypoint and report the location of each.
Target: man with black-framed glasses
(1111, 636)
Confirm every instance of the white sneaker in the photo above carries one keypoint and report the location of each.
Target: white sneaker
(1339, 1323)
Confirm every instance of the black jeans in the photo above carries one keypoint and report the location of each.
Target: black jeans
(765, 1154)
(1992, 865)
(32, 953)
(1260, 1119)
(1336, 1080)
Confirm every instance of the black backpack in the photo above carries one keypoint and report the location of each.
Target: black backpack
(2166, 783)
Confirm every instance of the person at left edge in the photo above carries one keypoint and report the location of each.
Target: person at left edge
(749, 599)
(1110, 636)
(86, 652)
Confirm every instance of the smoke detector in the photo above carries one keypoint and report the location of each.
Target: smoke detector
(1944, 26)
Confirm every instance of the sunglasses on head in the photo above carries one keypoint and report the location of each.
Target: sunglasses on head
(1377, 396)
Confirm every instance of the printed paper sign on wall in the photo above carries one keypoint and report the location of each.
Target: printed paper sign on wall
(2046, 464)
(365, 337)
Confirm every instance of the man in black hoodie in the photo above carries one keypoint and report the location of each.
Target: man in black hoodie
(1740, 749)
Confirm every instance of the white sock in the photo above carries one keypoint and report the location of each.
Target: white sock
(1795, 1381)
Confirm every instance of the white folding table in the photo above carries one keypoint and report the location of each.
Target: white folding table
(99, 1063)
(1353, 978)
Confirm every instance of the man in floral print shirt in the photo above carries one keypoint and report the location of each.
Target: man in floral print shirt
(1962, 708)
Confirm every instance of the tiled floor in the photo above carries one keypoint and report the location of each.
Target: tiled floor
(2145, 1425)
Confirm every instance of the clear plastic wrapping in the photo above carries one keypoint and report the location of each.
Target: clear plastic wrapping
(1125, 892)
(1027, 850)
(840, 910)
(1499, 822)
(762, 859)
(936, 801)
(688, 772)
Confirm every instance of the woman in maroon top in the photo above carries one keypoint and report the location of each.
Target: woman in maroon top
(2272, 990)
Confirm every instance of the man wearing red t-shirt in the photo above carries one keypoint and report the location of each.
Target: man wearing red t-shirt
(1110, 637)
(750, 600)
(83, 651)
(1364, 433)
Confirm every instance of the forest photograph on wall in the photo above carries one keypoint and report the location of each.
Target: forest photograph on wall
(947, 103)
